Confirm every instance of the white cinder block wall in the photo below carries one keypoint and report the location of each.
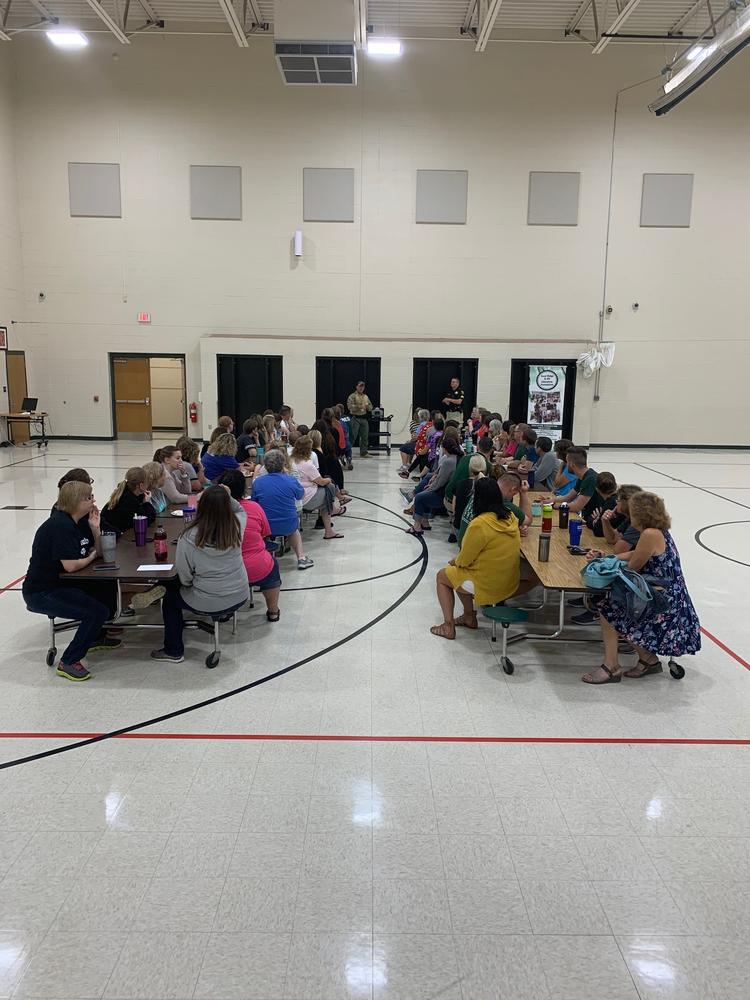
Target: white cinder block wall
(494, 289)
(10, 241)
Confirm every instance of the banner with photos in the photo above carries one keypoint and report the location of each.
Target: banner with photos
(546, 399)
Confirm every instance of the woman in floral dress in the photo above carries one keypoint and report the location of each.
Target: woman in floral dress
(674, 630)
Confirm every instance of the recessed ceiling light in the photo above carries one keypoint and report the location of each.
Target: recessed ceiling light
(68, 39)
(384, 47)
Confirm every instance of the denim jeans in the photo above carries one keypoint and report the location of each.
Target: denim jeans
(171, 608)
(426, 503)
(69, 602)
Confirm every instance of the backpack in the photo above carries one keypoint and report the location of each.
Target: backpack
(630, 591)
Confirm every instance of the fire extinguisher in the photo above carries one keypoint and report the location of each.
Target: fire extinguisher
(193, 411)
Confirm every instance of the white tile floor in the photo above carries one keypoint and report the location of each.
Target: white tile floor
(180, 868)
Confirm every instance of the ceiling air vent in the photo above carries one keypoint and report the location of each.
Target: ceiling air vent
(317, 63)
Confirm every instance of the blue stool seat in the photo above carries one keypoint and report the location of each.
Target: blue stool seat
(505, 616)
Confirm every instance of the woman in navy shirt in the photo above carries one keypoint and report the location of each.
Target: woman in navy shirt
(69, 541)
(221, 456)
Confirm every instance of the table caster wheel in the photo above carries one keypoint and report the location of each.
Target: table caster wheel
(676, 670)
(508, 665)
(51, 654)
(212, 660)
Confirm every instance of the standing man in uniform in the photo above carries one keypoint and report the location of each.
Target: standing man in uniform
(454, 402)
(359, 406)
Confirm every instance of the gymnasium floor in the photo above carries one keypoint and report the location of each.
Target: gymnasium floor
(573, 843)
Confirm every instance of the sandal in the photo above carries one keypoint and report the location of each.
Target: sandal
(413, 531)
(339, 512)
(273, 616)
(409, 510)
(444, 630)
(467, 622)
(611, 678)
(646, 669)
(329, 538)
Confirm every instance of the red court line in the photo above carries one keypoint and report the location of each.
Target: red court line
(328, 738)
(727, 650)
(13, 583)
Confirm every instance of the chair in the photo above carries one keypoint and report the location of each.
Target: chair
(506, 617)
(217, 618)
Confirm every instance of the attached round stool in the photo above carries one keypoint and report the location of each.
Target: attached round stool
(506, 617)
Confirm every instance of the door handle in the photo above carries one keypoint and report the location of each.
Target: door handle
(141, 401)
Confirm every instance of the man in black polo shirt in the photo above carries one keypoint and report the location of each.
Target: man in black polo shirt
(454, 402)
(584, 487)
(68, 541)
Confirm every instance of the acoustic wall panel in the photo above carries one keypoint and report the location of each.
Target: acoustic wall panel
(215, 192)
(553, 198)
(328, 194)
(442, 197)
(94, 190)
(667, 200)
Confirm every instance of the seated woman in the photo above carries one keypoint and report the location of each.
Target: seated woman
(428, 497)
(260, 563)
(67, 542)
(319, 493)
(407, 449)
(191, 461)
(211, 575)
(224, 426)
(278, 492)
(672, 631)
(510, 444)
(154, 484)
(130, 498)
(328, 459)
(464, 490)
(488, 566)
(221, 456)
(177, 488)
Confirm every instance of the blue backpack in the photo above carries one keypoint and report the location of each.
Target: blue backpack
(629, 590)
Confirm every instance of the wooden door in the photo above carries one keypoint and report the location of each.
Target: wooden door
(132, 385)
(17, 390)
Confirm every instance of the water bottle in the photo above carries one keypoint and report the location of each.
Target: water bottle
(547, 518)
(564, 515)
(544, 543)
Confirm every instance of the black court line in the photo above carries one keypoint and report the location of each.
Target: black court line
(424, 558)
(703, 489)
(721, 555)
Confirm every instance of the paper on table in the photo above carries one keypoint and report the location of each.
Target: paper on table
(154, 567)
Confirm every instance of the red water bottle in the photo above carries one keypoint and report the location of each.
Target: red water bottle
(160, 544)
(547, 519)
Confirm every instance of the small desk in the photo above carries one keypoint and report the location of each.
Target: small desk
(27, 418)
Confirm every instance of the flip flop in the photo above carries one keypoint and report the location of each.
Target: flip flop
(412, 531)
(339, 512)
(612, 678)
(329, 538)
(650, 668)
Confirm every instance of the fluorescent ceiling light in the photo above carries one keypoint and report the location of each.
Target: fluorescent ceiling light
(68, 39)
(699, 63)
(384, 47)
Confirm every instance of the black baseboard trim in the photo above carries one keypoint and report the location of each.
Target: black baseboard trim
(72, 437)
(678, 447)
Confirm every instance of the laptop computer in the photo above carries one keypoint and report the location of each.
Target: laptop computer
(29, 404)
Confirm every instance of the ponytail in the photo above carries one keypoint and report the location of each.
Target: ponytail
(158, 455)
(134, 478)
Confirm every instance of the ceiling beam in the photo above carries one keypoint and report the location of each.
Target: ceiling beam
(46, 14)
(466, 26)
(578, 16)
(687, 17)
(235, 23)
(360, 23)
(107, 18)
(484, 28)
(615, 26)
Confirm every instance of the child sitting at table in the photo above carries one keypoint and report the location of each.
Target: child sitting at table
(129, 499)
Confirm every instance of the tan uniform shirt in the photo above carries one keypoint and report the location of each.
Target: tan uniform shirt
(358, 404)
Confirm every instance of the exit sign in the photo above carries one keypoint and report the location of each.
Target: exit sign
(144, 317)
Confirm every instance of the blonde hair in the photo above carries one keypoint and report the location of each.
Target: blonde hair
(624, 494)
(153, 473)
(477, 465)
(71, 494)
(269, 425)
(647, 510)
(225, 444)
(302, 449)
(316, 438)
(134, 478)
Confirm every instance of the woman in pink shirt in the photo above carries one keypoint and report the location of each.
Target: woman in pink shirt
(320, 491)
(261, 564)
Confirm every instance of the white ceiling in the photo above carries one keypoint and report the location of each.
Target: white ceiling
(545, 20)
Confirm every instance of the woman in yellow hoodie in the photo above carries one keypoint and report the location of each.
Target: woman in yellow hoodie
(489, 561)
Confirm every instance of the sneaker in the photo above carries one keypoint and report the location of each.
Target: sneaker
(161, 654)
(452, 537)
(586, 618)
(576, 602)
(127, 613)
(305, 563)
(349, 466)
(104, 643)
(404, 473)
(148, 597)
(319, 524)
(408, 510)
(407, 494)
(73, 671)
(365, 454)
(416, 479)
